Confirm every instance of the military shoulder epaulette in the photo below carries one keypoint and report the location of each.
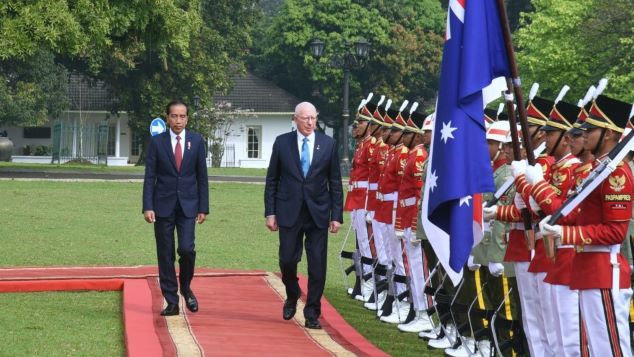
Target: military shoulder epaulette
(420, 152)
(584, 167)
(373, 140)
(404, 150)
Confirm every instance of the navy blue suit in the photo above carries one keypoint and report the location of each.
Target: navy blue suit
(304, 207)
(176, 198)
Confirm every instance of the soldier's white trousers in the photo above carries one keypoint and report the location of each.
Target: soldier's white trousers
(566, 305)
(361, 230)
(416, 270)
(394, 251)
(547, 311)
(531, 311)
(605, 316)
(379, 241)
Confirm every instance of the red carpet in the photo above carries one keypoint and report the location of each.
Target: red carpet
(240, 313)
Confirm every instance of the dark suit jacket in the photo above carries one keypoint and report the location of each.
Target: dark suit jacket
(163, 186)
(286, 188)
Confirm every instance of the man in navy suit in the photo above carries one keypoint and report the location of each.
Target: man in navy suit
(303, 197)
(176, 196)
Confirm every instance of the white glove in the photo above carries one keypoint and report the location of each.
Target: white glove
(518, 168)
(496, 269)
(534, 205)
(400, 234)
(471, 265)
(547, 229)
(534, 174)
(518, 201)
(489, 213)
(368, 217)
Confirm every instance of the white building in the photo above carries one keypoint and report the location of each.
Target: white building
(248, 145)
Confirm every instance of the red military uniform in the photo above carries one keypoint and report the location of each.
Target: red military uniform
(550, 196)
(389, 183)
(409, 191)
(376, 165)
(358, 183)
(601, 221)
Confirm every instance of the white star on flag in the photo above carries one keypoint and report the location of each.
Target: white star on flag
(465, 200)
(447, 131)
(432, 180)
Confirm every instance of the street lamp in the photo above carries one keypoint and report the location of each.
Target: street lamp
(353, 56)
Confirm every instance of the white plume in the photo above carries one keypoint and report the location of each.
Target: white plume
(380, 100)
(589, 94)
(404, 105)
(603, 82)
(500, 108)
(562, 93)
(370, 95)
(389, 103)
(580, 103)
(363, 101)
(533, 92)
(413, 108)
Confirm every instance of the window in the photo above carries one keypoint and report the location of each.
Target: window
(112, 140)
(37, 132)
(137, 140)
(254, 140)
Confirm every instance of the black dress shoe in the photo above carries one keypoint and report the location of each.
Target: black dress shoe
(170, 310)
(191, 302)
(290, 307)
(312, 323)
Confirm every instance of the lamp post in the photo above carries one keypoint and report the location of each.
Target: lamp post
(353, 56)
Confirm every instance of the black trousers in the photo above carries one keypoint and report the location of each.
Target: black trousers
(290, 253)
(164, 234)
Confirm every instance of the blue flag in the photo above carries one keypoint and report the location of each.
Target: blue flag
(474, 54)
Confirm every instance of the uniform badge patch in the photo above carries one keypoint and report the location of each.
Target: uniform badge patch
(617, 183)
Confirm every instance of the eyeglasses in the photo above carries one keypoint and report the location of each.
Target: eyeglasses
(306, 118)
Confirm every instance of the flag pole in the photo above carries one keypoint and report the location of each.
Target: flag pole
(516, 83)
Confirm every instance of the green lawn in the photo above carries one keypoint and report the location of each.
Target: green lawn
(222, 171)
(54, 223)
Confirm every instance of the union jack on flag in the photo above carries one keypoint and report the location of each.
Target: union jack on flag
(460, 169)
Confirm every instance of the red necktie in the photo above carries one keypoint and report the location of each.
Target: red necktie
(178, 153)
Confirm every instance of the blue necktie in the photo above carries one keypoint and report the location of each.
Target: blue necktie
(305, 157)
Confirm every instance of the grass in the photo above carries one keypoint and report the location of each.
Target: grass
(55, 223)
(61, 324)
(215, 171)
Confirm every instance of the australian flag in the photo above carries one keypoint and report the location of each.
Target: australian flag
(460, 169)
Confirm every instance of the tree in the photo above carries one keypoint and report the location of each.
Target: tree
(577, 43)
(406, 37)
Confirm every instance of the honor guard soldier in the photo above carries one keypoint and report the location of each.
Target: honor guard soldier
(547, 197)
(357, 195)
(597, 228)
(409, 194)
(388, 194)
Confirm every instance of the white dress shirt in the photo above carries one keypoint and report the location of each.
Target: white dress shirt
(311, 145)
(173, 139)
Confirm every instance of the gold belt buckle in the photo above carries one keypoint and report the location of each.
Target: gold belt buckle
(579, 248)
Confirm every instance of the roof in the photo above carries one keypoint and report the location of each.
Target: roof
(87, 94)
(249, 93)
(259, 95)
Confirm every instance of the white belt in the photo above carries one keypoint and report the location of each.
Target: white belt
(373, 186)
(565, 246)
(358, 184)
(517, 226)
(387, 197)
(614, 253)
(408, 202)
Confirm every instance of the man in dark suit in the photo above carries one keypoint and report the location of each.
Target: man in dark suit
(303, 198)
(176, 196)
